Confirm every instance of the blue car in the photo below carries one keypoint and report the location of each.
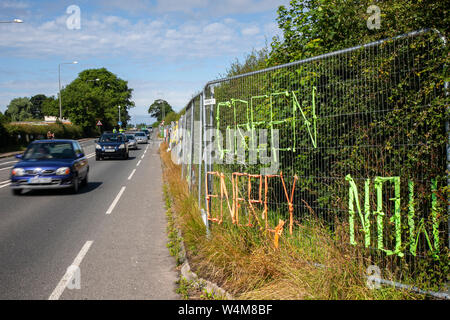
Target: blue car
(50, 164)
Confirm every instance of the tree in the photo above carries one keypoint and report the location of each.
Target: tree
(172, 116)
(36, 109)
(159, 108)
(3, 118)
(50, 107)
(19, 109)
(87, 100)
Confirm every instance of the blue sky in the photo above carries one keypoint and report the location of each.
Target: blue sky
(165, 49)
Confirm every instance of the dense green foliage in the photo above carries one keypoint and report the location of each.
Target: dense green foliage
(381, 111)
(15, 136)
(37, 102)
(22, 109)
(313, 27)
(19, 109)
(172, 116)
(87, 100)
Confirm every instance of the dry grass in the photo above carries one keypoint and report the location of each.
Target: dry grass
(307, 265)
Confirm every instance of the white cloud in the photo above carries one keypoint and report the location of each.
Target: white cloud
(176, 93)
(215, 34)
(13, 5)
(114, 35)
(250, 31)
(218, 8)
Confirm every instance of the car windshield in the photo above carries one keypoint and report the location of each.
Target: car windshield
(49, 150)
(140, 134)
(130, 137)
(111, 138)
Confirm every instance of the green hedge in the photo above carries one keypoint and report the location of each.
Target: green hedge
(14, 136)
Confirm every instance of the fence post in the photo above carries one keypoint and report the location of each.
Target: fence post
(211, 121)
(200, 149)
(191, 151)
(447, 130)
(205, 137)
(182, 134)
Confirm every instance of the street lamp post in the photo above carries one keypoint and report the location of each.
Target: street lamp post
(120, 124)
(59, 81)
(13, 21)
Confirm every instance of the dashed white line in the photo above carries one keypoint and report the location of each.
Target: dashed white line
(131, 175)
(70, 272)
(113, 205)
(8, 162)
(5, 185)
(139, 162)
(5, 168)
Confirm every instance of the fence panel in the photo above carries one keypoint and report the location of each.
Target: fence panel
(355, 138)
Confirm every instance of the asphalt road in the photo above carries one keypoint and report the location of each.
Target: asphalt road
(106, 242)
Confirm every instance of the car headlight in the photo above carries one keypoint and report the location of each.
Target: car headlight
(18, 172)
(122, 146)
(63, 171)
(97, 146)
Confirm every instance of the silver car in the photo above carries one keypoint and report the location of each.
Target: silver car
(141, 137)
(132, 142)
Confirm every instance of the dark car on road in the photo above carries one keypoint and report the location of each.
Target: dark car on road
(147, 132)
(112, 145)
(50, 164)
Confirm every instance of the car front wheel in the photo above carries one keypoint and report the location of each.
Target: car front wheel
(85, 181)
(75, 185)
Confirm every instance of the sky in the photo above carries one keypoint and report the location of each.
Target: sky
(165, 49)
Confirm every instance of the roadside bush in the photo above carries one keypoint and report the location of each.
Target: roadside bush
(15, 136)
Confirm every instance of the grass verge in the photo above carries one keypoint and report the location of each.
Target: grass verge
(307, 265)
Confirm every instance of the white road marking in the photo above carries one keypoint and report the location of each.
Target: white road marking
(139, 162)
(70, 272)
(131, 175)
(113, 205)
(6, 181)
(5, 185)
(8, 162)
(143, 156)
(90, 155)
(5, 168)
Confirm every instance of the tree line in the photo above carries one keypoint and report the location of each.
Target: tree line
(95, 95)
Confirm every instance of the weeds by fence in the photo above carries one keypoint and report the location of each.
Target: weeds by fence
(356, 138)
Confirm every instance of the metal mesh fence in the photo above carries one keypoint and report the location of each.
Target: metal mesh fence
(355, 138)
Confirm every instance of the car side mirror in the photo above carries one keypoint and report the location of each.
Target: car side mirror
(19, 156)
(80, 155)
